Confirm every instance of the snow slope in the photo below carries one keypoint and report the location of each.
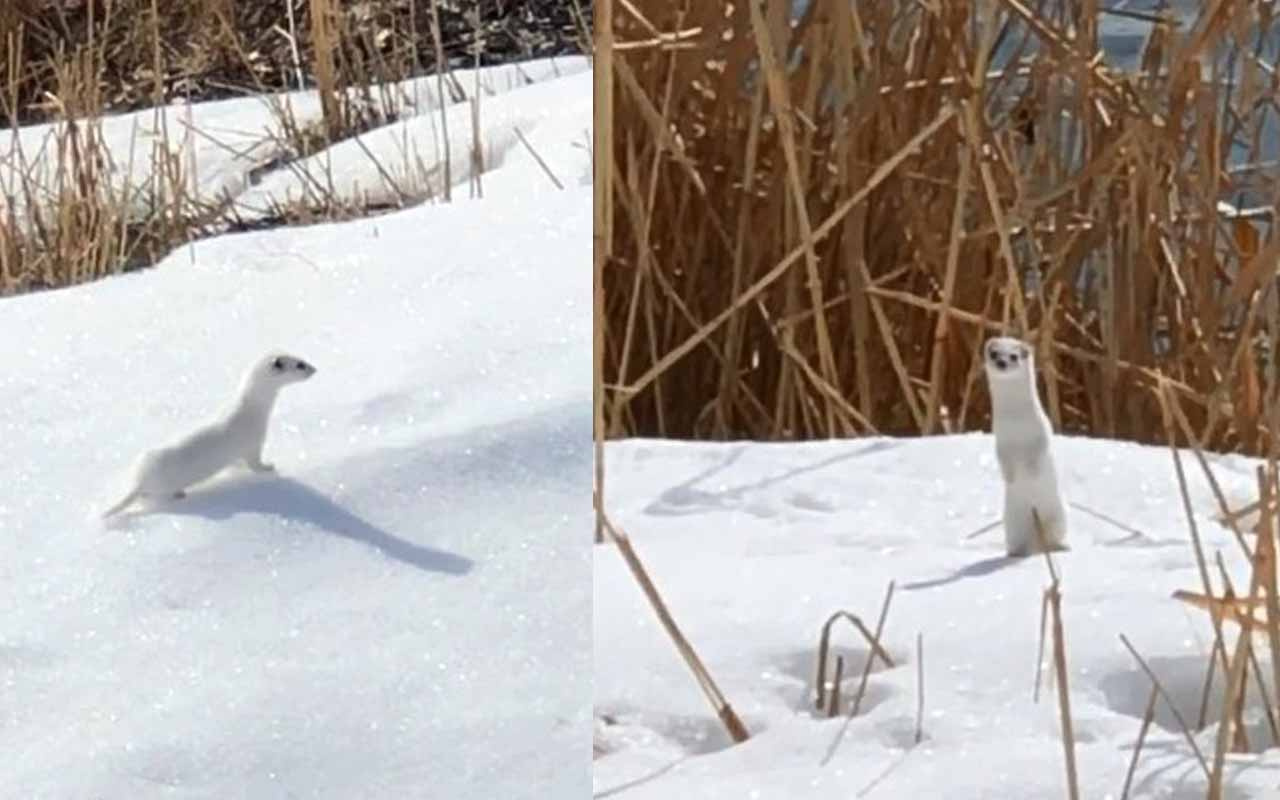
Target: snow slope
(409, 156)
(218, 144)
(402, 611)
(754, 545)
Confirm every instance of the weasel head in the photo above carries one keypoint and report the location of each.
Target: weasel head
(276, 370)
(1007, 359)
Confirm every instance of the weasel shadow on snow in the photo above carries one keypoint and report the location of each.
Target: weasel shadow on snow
(975, 570)
(287, 498)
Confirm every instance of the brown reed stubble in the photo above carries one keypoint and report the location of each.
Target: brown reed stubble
(64, 217)
(1224, 604)
(734, 137)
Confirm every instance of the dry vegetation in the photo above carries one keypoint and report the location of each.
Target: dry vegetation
(1235, 671)
(815, 223)
(210, 49)
(809, 225)
(73, 210)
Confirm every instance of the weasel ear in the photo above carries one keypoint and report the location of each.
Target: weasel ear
(1025, 352)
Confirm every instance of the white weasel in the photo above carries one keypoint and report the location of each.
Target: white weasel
(237, 435)
(1023, 448)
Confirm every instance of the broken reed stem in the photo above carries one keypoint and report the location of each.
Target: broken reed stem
(1217, 653)
(300, 82)
(1054, 602)
(824, 647)
(875, 639)
(1044, 628)
(833, 707)
(322, 43)
(441, 66)
(1193, 442)
(866, 670)
(536, 157)
(1044, 602)
(1264, 692)
(602, 233)
(1233, 696)
(1265, 562)
(1236, 701)
(1166, 407)
(477, 147)
(938, 359)
(919, 687)
(728, 717)
(1164, 695)
(1129, 529)
(990, 526)
(1147, 717)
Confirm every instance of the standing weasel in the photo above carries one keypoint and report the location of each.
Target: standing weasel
(1023, 449)
(237, 435)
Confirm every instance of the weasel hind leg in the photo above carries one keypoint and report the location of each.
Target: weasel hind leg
(124, 502)
(1051, 534)
(1023, 537)
(255, 462)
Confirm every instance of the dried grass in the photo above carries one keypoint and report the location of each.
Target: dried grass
(1256, 615)
(210, 49)
(814, 222)
(728, 717)
(75, 211)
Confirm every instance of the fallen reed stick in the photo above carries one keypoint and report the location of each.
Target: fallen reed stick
(728, 717)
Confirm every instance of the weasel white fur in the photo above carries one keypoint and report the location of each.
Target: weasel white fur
(1024, 450)
(237, 435)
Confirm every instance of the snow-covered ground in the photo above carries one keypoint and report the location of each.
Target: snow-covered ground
(408, 157)
(403, 610)
(753, 546)
(221, 149)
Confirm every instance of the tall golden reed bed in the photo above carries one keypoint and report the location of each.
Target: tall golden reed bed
(811, 223)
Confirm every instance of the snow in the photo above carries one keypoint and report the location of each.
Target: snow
(405, 605)
(409, 156)
(754, 545)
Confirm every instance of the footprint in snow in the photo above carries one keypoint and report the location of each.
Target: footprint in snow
(812, 502)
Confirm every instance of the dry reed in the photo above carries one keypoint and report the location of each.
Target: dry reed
(813, 221)
(728, 717)
(73, 210)
(875, 650)
(1256, 615)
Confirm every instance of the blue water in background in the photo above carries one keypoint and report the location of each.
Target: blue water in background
(1121, 37)
(1121, 40)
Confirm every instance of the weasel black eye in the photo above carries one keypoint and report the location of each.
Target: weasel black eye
(302, 365)
(278, 365)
